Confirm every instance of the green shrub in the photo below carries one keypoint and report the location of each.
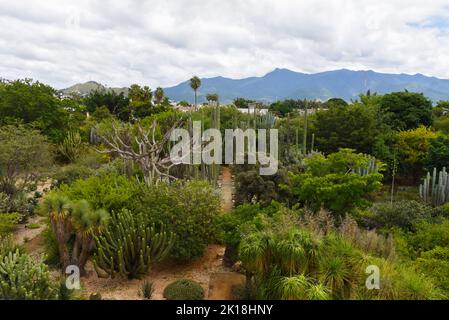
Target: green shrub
(70, 173)
(51, 248)
(33, 226)
(403, 214)
(21, 278)
(16, 202)
(184, 289)
(109, 191)
(188, 210)
(7, 245)
(429, 236)
(8, 222)
(335, 182)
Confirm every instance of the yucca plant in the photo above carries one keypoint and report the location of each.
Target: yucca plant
(68, 218)
(71, 147)
(146, 290)
(56, 207)
(88, 223)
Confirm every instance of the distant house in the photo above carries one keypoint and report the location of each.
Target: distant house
(251, 111)
(184, 108)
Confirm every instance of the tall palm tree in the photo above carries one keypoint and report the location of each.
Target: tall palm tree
(195, 84)
(159, 95)
(212, 97)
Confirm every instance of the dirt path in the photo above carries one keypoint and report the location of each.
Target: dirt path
(227, 190)
(30, 230)
(199, 270)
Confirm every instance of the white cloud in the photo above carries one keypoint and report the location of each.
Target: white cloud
(165, 42)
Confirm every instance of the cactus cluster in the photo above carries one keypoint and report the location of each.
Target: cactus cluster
(130, 246)
(370, 168)
(263, 121)
(435, 191)
(21, 278)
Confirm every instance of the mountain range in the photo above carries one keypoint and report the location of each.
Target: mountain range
(286, 84)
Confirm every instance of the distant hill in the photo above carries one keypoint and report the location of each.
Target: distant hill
(283, 84)
(85, 89)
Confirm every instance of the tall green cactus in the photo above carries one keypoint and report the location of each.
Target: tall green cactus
(435, 191)
(70, 148)
(215, 124)
(304, 142)
(130, 246)
(23, 278)
(370, 168)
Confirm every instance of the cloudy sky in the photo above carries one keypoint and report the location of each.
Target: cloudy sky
(161, 43)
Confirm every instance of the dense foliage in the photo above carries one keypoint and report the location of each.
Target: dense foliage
(184, 289)
(360, 184)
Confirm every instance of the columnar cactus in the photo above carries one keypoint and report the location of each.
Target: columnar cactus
(370, 168)
(130, 246)
(435, 191)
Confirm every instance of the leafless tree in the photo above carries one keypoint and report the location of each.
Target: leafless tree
(143, 148)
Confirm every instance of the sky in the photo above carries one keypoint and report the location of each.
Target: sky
(162, 43)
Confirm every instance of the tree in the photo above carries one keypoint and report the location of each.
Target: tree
(354, 126)
(159, 95)
(87, 223)
(116, 104)
(195, 84)
(33, 103)
(24, 155)
(77, 217)
(335, 102)
(140, 101)
(212, 97)
(335, 182)
(413, 146)
(285, 107)
(242, 103)
(251, 187)
(144, 146)
(406, 110)
(438, 154)
(56, 208)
